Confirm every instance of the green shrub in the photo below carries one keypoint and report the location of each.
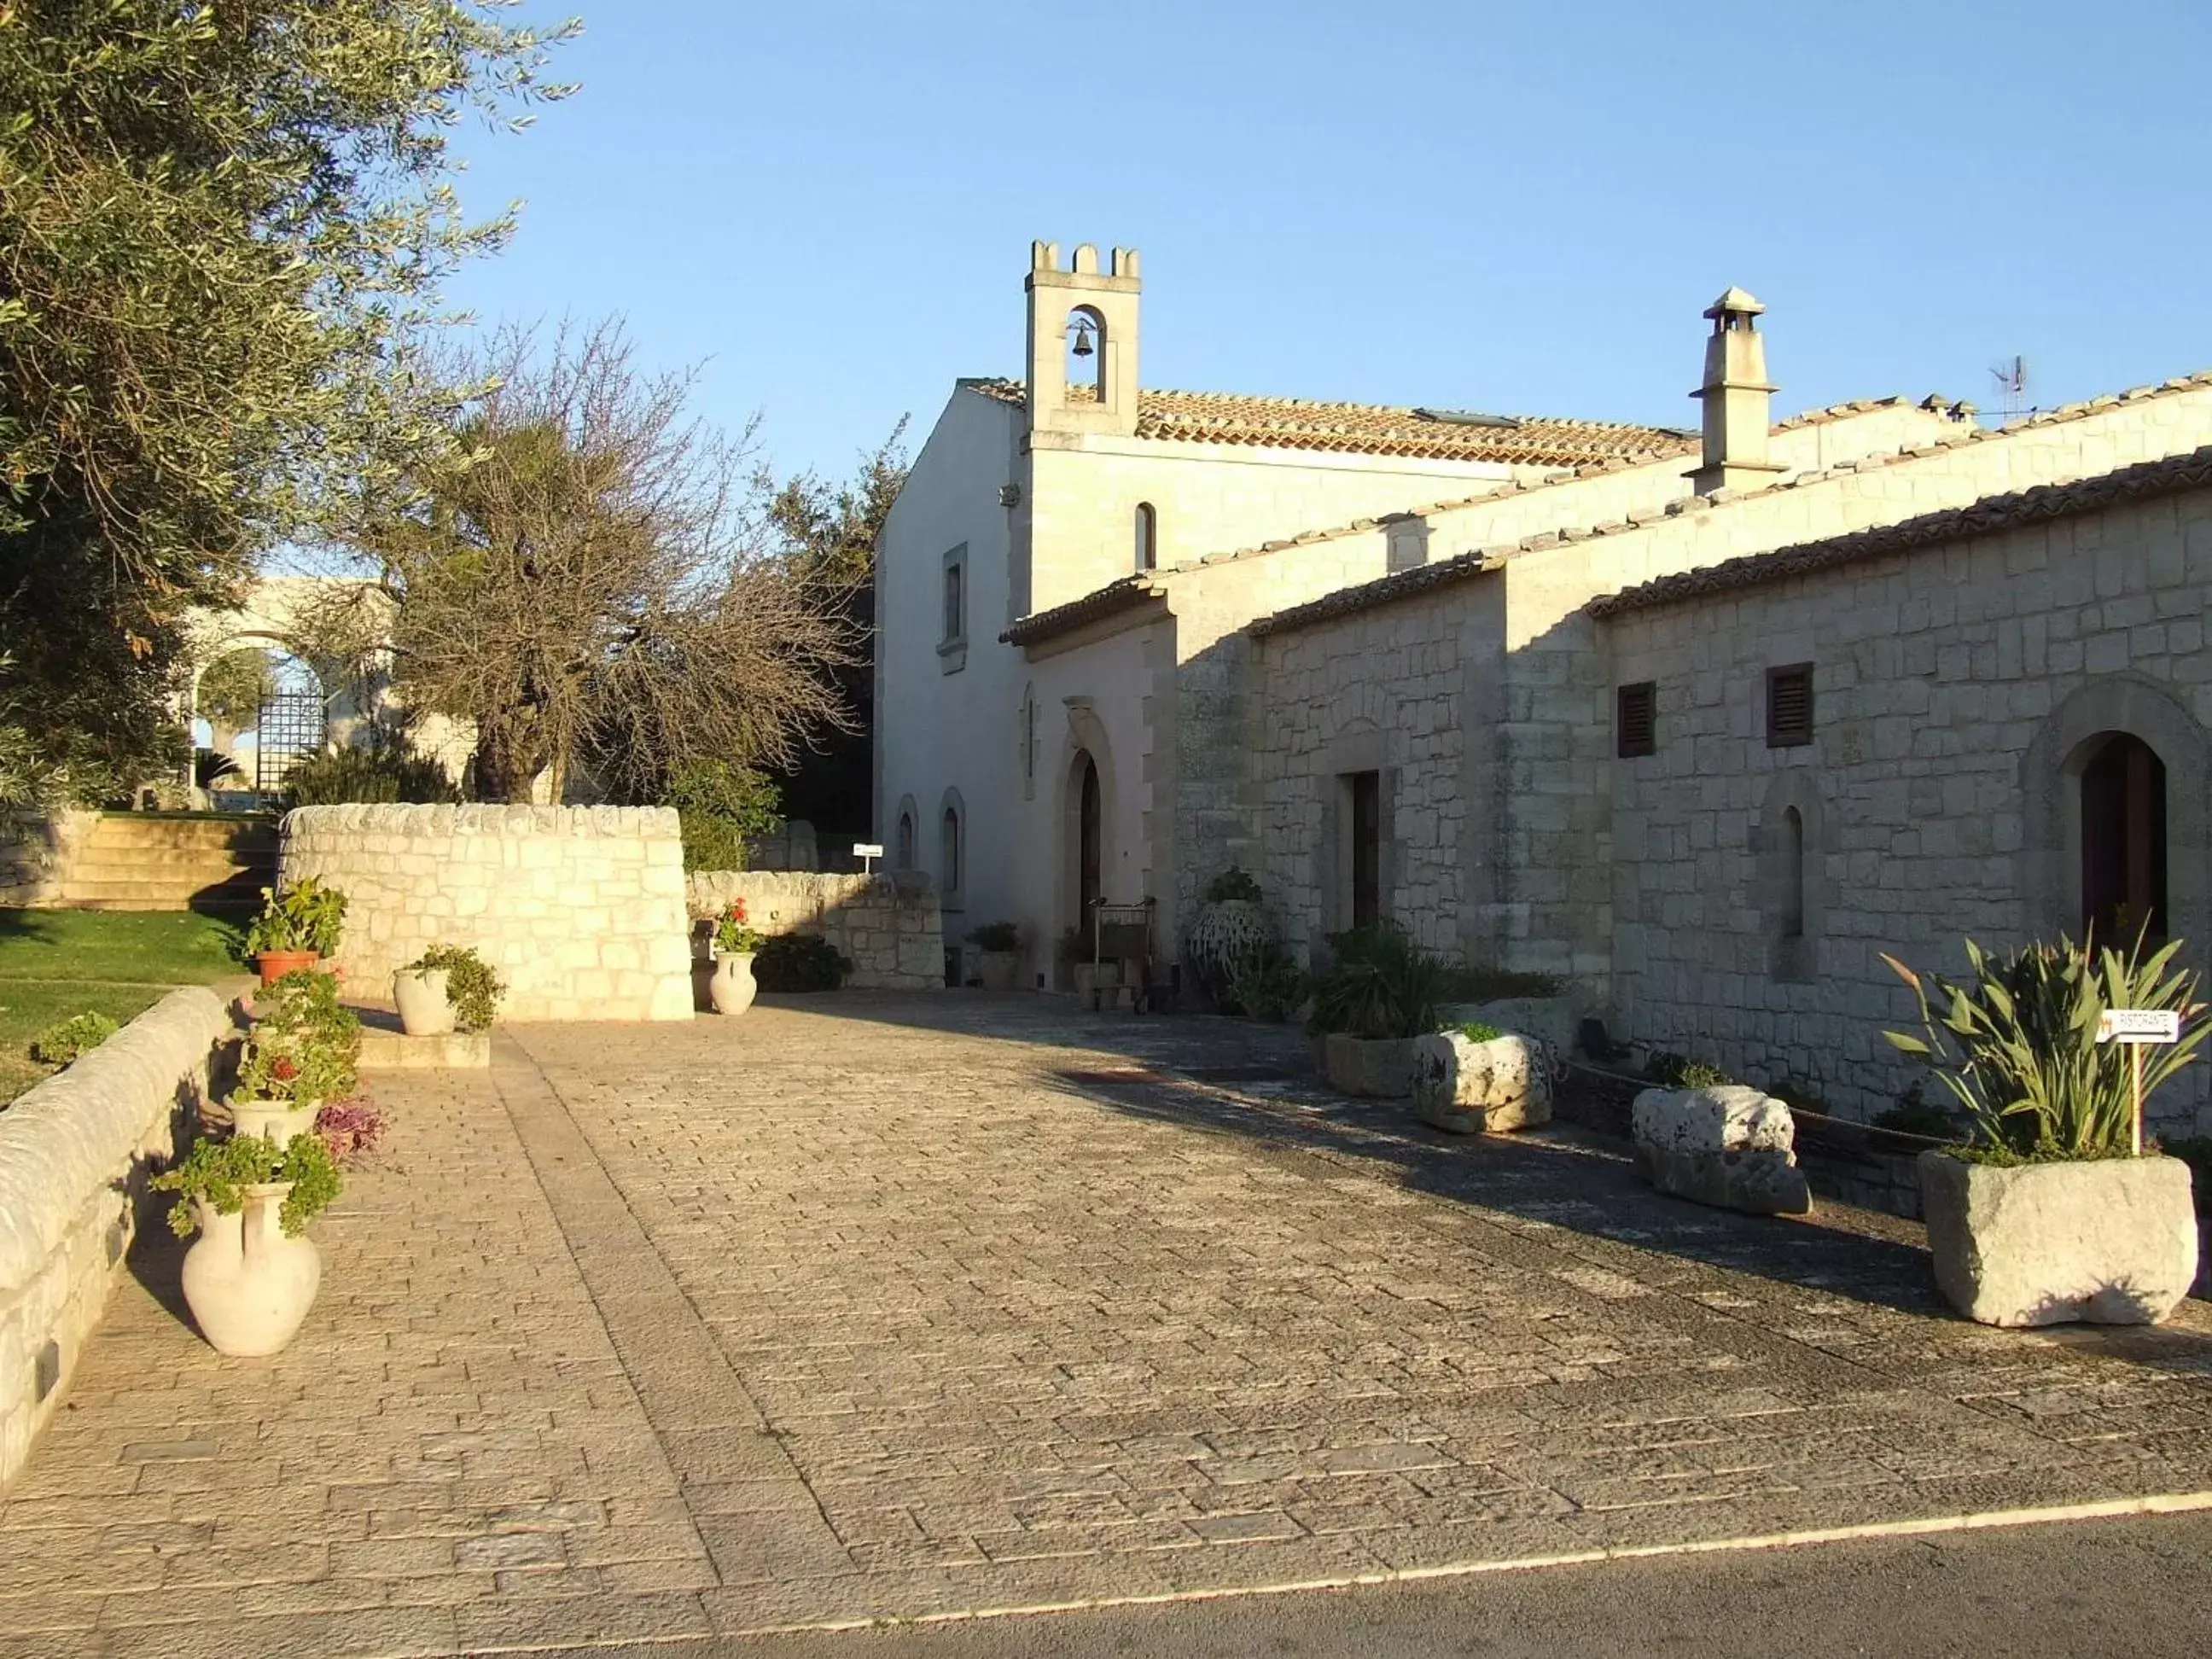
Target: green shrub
(305, 916)
(304, 1045)
(2017, 1045)
(386, 772)
(1672, 1071)
(721, 809)
(996, 936)
(1470, 982)
(219, 1171)
(1381, 985)
(800, 962)
(1915, 1116)
(60, 1043)
(1267, 985)
(1476, 1031)
(1232, 884)
(472, 989)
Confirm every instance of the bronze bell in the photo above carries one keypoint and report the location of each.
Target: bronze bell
(1083, 339)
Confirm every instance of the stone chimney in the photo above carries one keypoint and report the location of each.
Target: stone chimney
(1735, 394)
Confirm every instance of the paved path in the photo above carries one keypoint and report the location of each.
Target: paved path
(881, 1308)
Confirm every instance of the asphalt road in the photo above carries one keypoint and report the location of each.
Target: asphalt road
(2137, 1587)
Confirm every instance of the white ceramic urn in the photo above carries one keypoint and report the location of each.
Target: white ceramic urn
(424, 1008)
(275, 1120)
(250, 1287)
(733, 988)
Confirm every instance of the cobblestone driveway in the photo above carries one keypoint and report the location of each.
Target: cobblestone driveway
(877, 1307)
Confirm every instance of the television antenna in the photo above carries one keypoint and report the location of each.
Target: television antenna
(2011, 377)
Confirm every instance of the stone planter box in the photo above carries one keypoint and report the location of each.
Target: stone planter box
(2108, 1240)
(1732, 1147)
(999, 970)
(1471, 1088)
(1554, 1019)
(1377, 1069)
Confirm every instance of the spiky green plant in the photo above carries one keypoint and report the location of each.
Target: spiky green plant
(2035, 1083)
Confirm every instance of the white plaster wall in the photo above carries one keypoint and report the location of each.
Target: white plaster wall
(580, 909)
(936, 729)
(1935, 674)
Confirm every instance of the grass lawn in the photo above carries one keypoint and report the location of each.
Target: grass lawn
(54, 963)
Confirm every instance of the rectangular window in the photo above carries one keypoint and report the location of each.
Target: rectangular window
(1366, 790)
(1789, 705)
(1635, 729)
(955, 609)
(953, 648)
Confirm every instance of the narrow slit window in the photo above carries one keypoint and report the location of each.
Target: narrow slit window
(1635, 720)
(1789, 705)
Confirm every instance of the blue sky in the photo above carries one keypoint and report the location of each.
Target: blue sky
(1516, 208)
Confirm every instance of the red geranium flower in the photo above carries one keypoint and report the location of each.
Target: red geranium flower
(284, 1071)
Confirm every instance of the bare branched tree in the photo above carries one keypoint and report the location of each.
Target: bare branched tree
(589, 587)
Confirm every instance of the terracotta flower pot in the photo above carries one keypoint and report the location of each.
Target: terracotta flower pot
(733, 987)
(275, 964)
(424, 1008)
(250, 1287)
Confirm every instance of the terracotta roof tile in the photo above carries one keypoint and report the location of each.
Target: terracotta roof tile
(1989, 516)
(1220, 418)
(1126, 594)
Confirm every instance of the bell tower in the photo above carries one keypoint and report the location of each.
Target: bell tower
(1083, 341)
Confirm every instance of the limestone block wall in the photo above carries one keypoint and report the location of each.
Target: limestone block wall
(75, 1152)
(36, 855)
(579, 908)
(1956, 690)
(886, 925)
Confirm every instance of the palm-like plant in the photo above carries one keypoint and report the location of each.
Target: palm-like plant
(2027, 1067)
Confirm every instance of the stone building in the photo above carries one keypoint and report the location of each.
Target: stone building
(1433, 706)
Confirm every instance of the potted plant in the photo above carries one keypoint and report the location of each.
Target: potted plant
(999, 944)
(1377, 997)
(251, 1277)
(1474, 1078)
(296, 927)
(1232, 926)
(2051, 1212)
(304, 1049)
(448, 988)
(736, 942)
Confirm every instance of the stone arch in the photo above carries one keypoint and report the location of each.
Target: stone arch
(2070, 739)
(952, 850)
(1790, 871)
(1085, 750)
(906, 831)
(1086, 355)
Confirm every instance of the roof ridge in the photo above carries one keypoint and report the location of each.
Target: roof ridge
(1379, 591)
(1986, 515)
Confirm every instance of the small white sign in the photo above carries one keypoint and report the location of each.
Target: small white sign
(867, 849)
(2139, 1025)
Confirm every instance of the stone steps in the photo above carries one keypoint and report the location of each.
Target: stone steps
(133, 861)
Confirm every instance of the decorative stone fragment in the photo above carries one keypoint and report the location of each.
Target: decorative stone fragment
(1468, 1087)
(1729, 1146)
(2109, 1241)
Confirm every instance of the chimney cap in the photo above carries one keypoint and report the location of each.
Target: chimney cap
(1736, 303)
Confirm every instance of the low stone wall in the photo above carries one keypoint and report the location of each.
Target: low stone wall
(75, 1152)
(887, 925)
(36, 854)
(579, 908)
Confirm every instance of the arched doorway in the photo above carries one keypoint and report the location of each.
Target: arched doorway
(1090, 837)
(2124, 850)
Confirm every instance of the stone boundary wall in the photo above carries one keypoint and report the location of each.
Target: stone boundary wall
(35, 855)
(75, 1152)
(888, 924)
(580, 909)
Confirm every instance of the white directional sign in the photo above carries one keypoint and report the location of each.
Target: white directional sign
(2139, 1025)
(867, 849)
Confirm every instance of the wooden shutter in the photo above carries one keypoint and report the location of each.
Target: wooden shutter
(1635, 726)
(1790, 705)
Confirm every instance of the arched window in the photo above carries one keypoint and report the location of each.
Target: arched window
(1086, 356)
(903, 849)
(2124, 840)
(1148, 537)
(951, 851)
(1793, 874)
